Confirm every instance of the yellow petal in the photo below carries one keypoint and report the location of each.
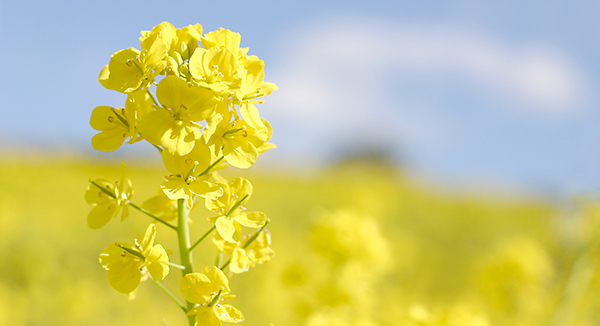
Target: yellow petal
(242, 156)
(239, 261)
(175, 189)
(158, 263)
(149, 236)
(120, 74)
(196, 288)
(218, 279)
(101, 214)
(228, 229)
(252, 220)
(108, 141)
(228, 313)
(206, 189)
(205, 316)
(125, 277)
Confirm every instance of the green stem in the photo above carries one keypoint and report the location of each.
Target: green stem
(248, 243)
(152, 216)
(152, 97)
(211, 166)
(202, 238)
(176, 266)
(185, 254)
(169, 293)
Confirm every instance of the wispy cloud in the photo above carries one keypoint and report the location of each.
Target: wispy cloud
(329, 65)
(339, 76)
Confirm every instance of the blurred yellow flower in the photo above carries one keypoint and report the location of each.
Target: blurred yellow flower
(210, 290)
(161, 206)
(244, 254)
(128, 264)
(108, 199)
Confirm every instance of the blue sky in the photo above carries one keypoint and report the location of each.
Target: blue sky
(476, 91)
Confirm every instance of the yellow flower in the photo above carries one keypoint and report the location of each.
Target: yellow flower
(130, 70)
(186, 180)
(128, 264)
(210, 290)
(246, 254)
(116, 124)
(232, 212)
(215, 69)
(187, 41)
(223, 38)
(239, 141)
(108, 199)
(252, 84)
(174, 126)
(158, 41)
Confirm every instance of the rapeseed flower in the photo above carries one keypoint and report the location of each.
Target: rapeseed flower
(215, 69)
(247, 252)
(239, 141)
(186, 179)
(108, 199)
(128, 264)
(232, 212)
(210, 290)
(116, 124)
(130, 70)
(173, 126)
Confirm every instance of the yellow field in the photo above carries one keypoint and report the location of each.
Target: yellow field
(353, 246)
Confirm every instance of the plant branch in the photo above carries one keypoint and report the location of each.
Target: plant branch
(202, 238)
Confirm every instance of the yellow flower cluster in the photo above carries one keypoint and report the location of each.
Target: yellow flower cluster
(202, 118)
(202, 84)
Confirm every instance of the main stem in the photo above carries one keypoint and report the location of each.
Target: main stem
(185, 254)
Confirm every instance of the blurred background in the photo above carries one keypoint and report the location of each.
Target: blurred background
(437, 161)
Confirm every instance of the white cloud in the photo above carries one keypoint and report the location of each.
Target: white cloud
(367, 81)
(344, 65)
